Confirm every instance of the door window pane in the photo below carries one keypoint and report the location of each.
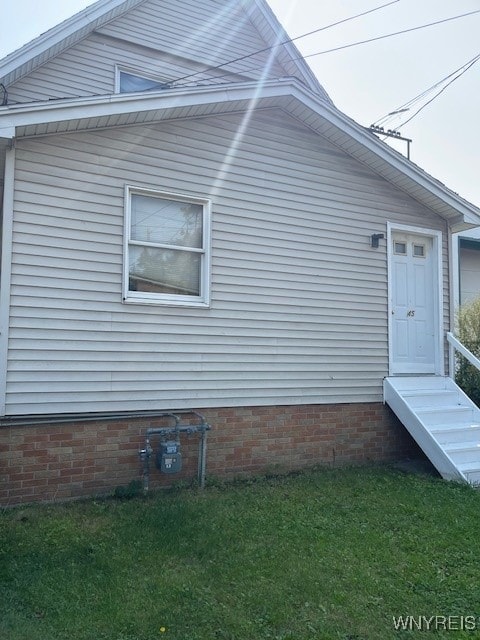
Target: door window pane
(419, 250)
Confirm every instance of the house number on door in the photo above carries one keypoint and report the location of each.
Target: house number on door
(410, 313)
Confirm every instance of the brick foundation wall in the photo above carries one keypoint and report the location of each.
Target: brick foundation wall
(71, 460)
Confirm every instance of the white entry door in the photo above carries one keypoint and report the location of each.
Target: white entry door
(414, 304)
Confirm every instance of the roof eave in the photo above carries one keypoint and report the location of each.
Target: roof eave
(288, 94)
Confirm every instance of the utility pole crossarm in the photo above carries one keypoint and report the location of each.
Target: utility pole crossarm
(391, 133)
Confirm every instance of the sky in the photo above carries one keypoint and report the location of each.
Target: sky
(367, 81)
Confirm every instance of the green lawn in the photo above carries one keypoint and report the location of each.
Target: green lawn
(325, 554)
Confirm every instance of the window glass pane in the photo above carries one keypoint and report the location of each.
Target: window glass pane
(419, 250)
(162, 221)
(130, 83)
(171, 271)
(400, 248)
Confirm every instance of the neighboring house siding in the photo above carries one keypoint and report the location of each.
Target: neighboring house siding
(147, 41)
(469, 270)
(299, 299)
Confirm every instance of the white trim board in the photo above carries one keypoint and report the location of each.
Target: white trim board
(6, 272)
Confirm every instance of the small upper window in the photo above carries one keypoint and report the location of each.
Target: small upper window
(400, 248)
(131, 83)
(166, 248)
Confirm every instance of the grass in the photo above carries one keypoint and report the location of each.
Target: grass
(329, 554)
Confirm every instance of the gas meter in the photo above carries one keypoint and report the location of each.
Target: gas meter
(169, 457)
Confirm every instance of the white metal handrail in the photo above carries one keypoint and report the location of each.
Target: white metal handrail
(456, 345)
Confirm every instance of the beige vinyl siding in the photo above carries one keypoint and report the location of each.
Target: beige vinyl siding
(146, 41)
(89, 69)
(215, 32)
(85, 69)
(299, 299)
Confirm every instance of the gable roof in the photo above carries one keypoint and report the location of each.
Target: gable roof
(301, 95)
(81, 114)
(56, 40)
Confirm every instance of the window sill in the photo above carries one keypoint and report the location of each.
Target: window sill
(168, 303)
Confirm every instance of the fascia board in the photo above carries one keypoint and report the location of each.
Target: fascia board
(94, 106)
(473, 234)
(7, 132)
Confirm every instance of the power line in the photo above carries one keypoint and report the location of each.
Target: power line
(279, 44)
(390, 35)
(329, 26)
(379, 130)
(311, 55)
(472, 62)
(406, 107)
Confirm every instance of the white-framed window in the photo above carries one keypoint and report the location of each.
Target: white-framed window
(129, 81)
(167, 248)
